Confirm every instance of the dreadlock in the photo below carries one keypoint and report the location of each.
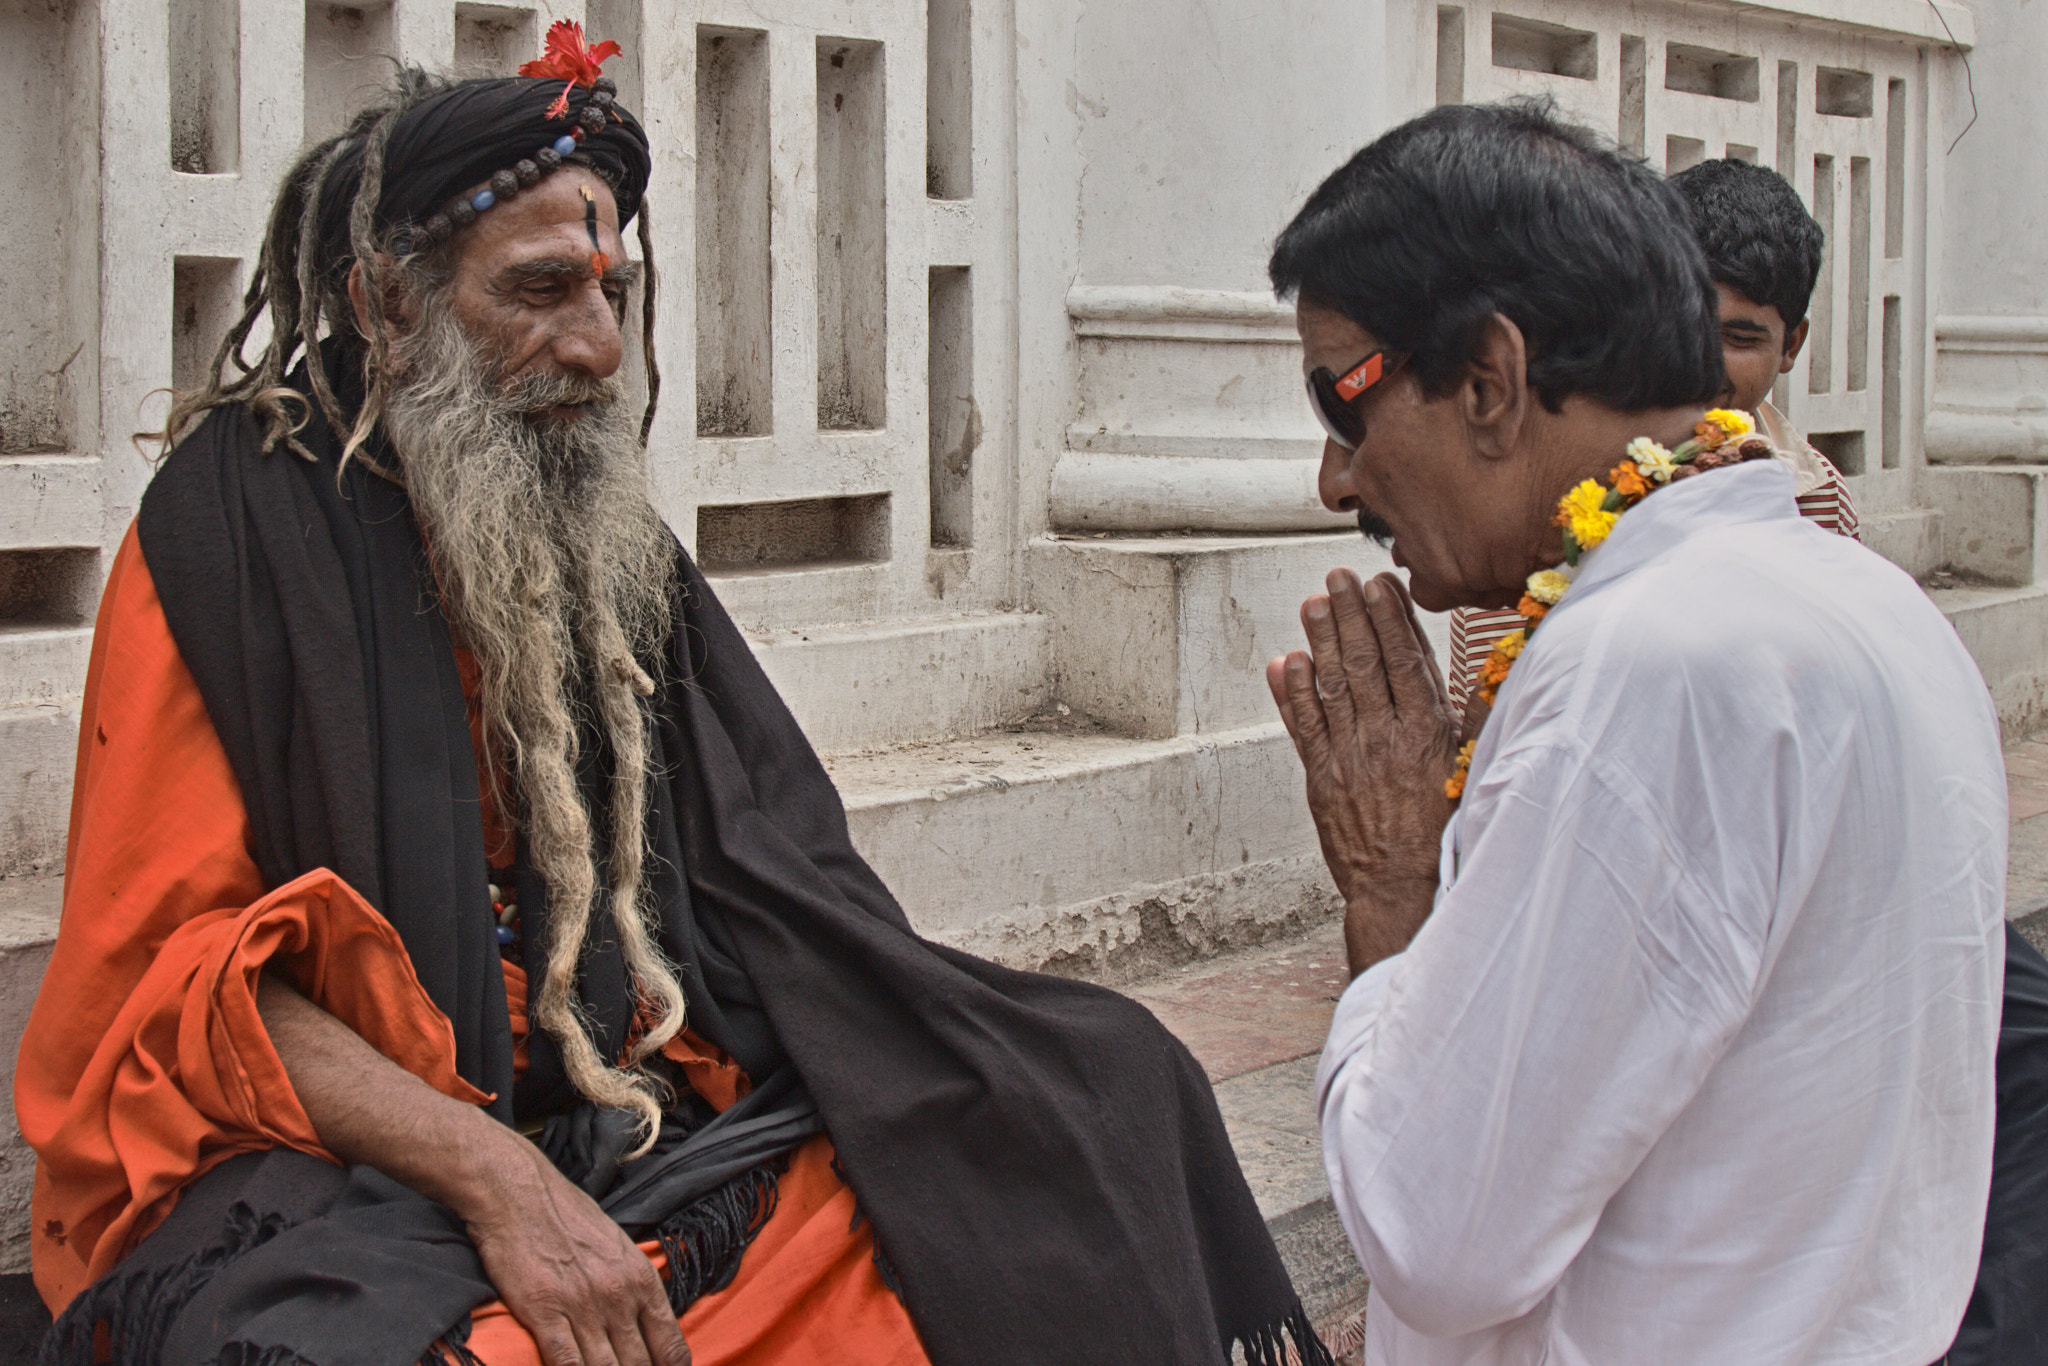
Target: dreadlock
(304, 295)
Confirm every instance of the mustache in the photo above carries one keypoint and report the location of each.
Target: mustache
(1374, 528)
(540, 391)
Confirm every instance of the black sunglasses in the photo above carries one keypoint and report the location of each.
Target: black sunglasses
(1332, 396)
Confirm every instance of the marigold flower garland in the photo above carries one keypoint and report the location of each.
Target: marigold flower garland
(1587, 515)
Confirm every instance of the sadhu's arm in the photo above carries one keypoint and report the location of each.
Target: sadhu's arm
(564, 1269)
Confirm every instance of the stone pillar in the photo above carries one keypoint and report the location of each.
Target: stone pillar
(1187, 413)
(1991, 378)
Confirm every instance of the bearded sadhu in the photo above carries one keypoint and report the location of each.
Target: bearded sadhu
(463, 955)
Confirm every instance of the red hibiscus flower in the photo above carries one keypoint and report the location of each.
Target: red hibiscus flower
(565, 58)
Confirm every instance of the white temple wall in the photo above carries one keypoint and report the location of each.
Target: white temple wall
(954, 289)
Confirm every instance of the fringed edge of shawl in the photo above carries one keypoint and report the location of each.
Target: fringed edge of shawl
(706, 1238)
(139, 1307)
(1270, 1345)
(453, 1348)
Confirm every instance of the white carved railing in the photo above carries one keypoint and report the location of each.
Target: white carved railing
(1189, 412)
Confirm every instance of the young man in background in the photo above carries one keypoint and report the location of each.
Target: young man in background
(1764, 252)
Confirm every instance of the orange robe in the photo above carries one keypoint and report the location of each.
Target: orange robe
(145, 1062)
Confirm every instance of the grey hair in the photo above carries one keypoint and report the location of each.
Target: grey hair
(554, 569)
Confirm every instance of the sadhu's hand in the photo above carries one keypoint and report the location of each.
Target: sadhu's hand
(1377, 735)
(571, 1275)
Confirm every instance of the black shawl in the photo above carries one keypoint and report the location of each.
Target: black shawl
(1044, 1165)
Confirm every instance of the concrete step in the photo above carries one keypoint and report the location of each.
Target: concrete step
(1064, 848)
(2006, 632)
(28, 927)
(41, 745)
(1169, 635)
(872, 686)
(1995, 520)
(1909, 537)
(42, 666)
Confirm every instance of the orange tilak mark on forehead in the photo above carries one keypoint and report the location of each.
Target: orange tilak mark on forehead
(599, 262)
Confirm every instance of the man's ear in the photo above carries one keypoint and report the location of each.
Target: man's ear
(1496, 394)
(1795, 342)
(397, 303)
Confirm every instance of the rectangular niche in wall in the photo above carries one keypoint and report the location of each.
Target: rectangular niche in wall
(1635, 80)
(1450, 54)
(1682, 153)
(492, 40)
(618, 21)
(53, 587)
(1895, 170)
(1532, 45)
(203, 306)
(1788, 118)
(1893, 379)
(1844, 450)
(955, 417)
(733, 278)
(852, 287)
(206, 86)
(1843, 93)
(949, 99)
(801, 533)
(1820, 346)
(1742, 151)
(1858, 340)
(349, 47)
(1703, 71)
(48, 391)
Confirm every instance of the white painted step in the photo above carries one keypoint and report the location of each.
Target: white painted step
(2006, 632)
(873, 686)
(1995, 520)
(1092, 854)
(1169, 635)
(40, 743)
(28, 927)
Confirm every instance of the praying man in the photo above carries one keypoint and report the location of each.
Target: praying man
(463, 956)
(1672, 1031)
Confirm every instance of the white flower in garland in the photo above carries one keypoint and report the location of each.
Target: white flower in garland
(1548, 585)
(1656, 463)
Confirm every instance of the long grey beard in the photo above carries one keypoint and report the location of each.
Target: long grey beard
(553, 568)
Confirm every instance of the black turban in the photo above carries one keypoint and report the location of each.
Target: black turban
(459, 138)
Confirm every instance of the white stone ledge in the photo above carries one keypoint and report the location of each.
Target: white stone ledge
(1987, 438)
(1174, 312)
(1108, 492)
(862, 687)
(1914, 19)
(1980, 332)
(50, 501)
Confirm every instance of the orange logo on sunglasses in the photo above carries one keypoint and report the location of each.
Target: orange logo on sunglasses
(1363, 378)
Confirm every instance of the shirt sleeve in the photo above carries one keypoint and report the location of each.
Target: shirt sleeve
(145, 1061)
(1484, 1094)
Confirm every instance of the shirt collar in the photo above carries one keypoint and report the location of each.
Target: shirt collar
(1755, 491)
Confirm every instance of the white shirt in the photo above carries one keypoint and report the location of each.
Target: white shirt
(1692, 1063)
